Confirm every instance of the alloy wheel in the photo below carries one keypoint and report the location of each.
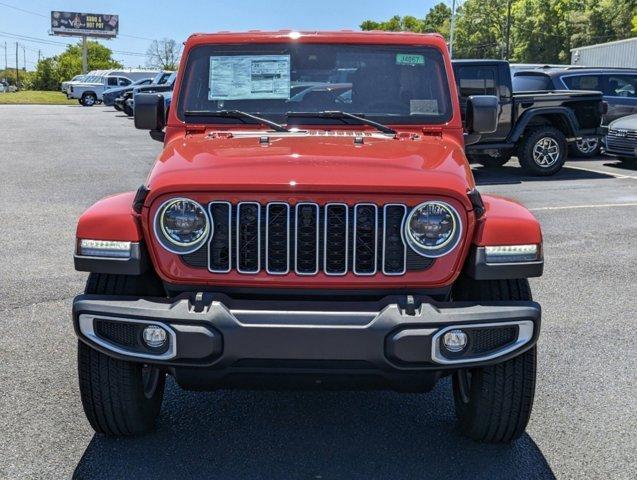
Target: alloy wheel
(546, 152)
(587, 145)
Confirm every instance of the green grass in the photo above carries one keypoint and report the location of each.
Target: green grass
(29, 97)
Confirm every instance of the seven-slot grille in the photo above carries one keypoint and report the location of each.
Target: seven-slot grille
(307, 238)
(622, 140)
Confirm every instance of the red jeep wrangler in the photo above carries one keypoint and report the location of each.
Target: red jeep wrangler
(312, 221)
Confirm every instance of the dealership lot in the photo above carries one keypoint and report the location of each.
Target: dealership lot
(59, 160)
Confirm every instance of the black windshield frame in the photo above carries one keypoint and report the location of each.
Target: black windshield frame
(195, 65)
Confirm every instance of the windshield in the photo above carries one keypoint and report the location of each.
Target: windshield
(395, 84)
(531, 82)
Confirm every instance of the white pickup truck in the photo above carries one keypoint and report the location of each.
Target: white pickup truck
(89, 91)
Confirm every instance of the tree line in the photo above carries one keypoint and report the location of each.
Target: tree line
(50, 72)
(524, 31)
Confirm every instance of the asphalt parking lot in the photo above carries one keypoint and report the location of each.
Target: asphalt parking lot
(56, 161)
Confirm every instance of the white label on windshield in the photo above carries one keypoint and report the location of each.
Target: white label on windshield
(249, 77)
(423, 107)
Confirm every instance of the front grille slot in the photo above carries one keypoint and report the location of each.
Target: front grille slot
(277, 238)
(307, 238)
(248, 237)
(220, 245)
(365, 238)
(336, 241)
(394, 248)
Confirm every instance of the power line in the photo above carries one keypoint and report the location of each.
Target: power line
(23, 10)
(27, 38)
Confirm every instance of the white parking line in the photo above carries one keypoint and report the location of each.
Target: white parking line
(571, 207)
(602, 172)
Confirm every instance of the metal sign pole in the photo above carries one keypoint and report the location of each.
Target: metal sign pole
(84, 55)
(451, 29)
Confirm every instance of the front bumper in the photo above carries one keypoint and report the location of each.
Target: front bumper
(210, 335)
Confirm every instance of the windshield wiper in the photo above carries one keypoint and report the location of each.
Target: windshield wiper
(236, 114)
(340, 115)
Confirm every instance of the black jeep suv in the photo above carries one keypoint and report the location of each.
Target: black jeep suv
(619, 86)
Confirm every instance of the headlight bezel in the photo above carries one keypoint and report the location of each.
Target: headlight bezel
(168, 242)
(440, 250)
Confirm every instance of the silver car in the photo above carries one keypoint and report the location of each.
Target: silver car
(621, 140)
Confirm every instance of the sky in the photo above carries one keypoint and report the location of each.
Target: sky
(141, 21)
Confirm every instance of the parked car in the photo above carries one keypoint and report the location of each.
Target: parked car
(621, 140)
(90, 90)
(89, 77)
(112, 94)
(77, 78)
(6, 88)
(276, 244)
(619, 86)
(109, 96)
(126, 102)
(537, 126)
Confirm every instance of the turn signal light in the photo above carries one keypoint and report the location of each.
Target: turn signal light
(512, 253)
(104, 248)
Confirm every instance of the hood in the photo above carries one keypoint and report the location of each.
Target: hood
(314, 161)
(628, 123)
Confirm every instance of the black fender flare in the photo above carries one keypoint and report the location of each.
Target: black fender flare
(571, 123)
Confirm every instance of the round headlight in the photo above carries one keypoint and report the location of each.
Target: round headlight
(181, 225)
(433, 229)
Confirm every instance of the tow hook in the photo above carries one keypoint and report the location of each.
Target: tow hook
(198, 304)
(410, 306)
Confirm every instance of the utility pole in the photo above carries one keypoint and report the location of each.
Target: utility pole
(84, 55)
(17, 69)
(6, 58)
(24, 59)
(508, 32)
(451, 28)
(39, 55)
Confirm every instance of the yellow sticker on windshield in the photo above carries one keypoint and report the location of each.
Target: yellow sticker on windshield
(409, 59)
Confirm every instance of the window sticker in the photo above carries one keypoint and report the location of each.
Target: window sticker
(409, 59)
(423, 107)
(249, 77)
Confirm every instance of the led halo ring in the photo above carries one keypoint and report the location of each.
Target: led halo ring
(168, 242)
(439, 250)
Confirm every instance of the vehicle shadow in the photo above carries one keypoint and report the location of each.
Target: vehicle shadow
(317, 435)
(510, 175)
(631, 166)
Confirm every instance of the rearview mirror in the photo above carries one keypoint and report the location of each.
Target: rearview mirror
(482, 114)
(149, 112)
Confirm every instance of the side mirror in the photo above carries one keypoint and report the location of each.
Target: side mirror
(149, 112)
(482, 114)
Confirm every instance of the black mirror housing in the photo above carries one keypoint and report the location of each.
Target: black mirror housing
(149, 112)
(482, 114)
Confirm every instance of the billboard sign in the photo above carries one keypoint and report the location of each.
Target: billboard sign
(90, 24)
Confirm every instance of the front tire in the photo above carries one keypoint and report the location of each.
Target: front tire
(88, 99)
(543, 151)
(119, 397)
(493, 404)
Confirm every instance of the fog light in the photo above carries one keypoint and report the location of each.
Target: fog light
(154, 336)
(455, 340)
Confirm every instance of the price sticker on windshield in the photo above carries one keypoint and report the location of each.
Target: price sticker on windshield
(409, 59)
